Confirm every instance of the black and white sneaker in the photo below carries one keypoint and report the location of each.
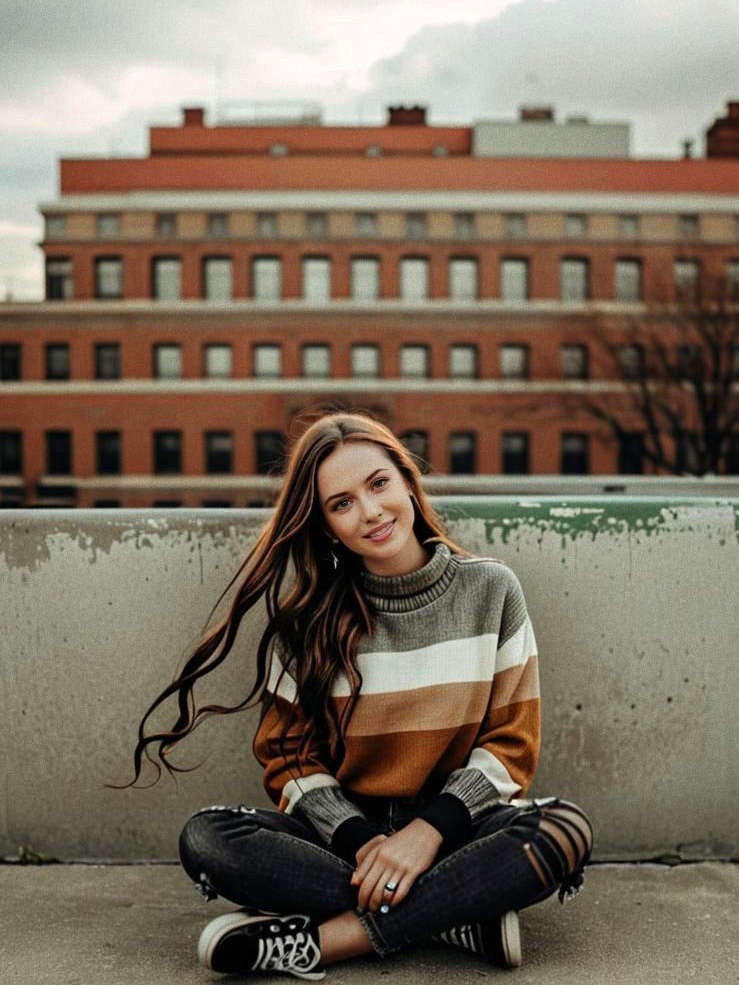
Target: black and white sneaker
(497, 940)
(241, 941)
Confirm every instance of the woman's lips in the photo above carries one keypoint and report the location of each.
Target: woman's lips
(383, 534)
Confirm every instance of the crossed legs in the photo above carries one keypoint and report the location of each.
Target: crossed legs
(272, 862)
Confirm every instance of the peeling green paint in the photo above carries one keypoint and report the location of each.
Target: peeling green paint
(575, 517)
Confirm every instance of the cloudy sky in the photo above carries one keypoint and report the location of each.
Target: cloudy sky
(87, 78)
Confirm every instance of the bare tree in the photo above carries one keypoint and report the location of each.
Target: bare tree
(676, 370)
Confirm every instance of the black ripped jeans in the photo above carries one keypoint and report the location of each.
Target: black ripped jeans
(518, 854)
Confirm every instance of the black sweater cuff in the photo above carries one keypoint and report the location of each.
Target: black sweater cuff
(350, 835)
(450, 817)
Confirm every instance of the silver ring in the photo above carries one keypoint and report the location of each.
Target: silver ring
(391, 887)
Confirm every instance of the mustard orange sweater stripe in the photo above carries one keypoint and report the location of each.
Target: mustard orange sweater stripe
(449, 701)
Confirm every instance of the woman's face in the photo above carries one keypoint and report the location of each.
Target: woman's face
(361, 489)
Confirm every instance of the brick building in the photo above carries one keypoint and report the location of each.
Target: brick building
(447, 278)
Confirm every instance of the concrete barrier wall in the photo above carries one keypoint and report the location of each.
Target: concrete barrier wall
(633, 601)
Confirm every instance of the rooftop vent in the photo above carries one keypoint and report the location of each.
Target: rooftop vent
(406, 116)
(193, 116)
(537, 114)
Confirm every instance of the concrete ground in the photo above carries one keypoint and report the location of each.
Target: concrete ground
(139, 924)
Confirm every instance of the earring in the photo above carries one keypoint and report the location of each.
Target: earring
(333, 556)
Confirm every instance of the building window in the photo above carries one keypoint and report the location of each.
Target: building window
(628, 280)
(11, 453)
(631, 361)
(415, 225)
(689, 362)
(366, 223)
(166, 225)
(55, 226)
(107, 361)
(107, 225)
(167, 503)
(108, 452)
(514, 362)
(217, 278)
(316, 360)
(414, 279)
(686, 451)
(414, 361)
(166, 278)
(218, 361)
(373, 150)
(732, 279)
(167, 361)
(628, 226)
(59, 282)
(462, 453)
(10, 361)
(108, 278)
(514, 224)
(267, 360)
(365, 361)
(266, 277)
(574, 457)
(278, 150)
(573, 279)
(417, 443)
(464, 225)
(266, 224)
(463, 362)
(218, 452)
(269, 448)
(106, 504)
(573, 361)
(687, 275)
(515, 453)
(58, 452)
(463, 280)
(167, 452)
(57, 361)
(688, 226)
(576, 225)
(514, 279)
(217, 225)
(316, 224)
(316, 279)
(631, 453)
(365, 278)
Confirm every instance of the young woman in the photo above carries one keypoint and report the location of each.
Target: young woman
(399, 728)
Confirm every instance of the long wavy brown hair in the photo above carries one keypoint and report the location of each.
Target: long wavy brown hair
(319, 619)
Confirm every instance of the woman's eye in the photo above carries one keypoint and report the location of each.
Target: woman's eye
(381, 479)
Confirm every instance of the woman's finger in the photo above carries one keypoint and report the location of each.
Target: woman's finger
(379, 895)
(370, 883)
(366, 864)
(390, 898)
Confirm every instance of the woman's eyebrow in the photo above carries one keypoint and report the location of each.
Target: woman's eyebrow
(346, 493)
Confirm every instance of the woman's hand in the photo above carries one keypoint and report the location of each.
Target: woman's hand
(399, 859)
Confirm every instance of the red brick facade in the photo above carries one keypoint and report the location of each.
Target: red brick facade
(406, 190)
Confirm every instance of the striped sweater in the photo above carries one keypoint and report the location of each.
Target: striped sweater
(449, 701)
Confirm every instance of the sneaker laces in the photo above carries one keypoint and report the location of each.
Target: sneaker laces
(289, 952)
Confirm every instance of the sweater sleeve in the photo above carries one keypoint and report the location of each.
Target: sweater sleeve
(301, 783)
(503, 760)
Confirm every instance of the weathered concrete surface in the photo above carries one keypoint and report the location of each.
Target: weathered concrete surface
(633, 603)
(139, 925)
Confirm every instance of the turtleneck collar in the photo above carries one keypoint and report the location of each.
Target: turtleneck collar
(403, 593)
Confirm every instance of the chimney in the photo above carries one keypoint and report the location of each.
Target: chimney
(687, 149)
(193, 116)
(536, 114)
(406, 116)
